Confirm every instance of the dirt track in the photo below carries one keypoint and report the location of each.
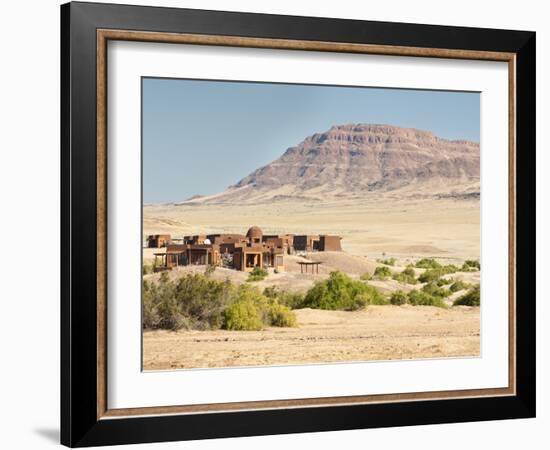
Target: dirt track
(376, 333)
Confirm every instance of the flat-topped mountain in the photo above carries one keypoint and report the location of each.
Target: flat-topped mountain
(358, 159)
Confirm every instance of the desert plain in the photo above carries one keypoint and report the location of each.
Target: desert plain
(383, 226)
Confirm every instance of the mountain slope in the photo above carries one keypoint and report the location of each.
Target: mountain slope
(358, 159)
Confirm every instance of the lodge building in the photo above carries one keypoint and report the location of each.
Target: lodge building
(158, 240)
(242, 252)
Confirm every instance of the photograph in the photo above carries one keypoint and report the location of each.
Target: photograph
(280, 223)
(288, 224)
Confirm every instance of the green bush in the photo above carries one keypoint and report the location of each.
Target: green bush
(429, 276)
(408, 276)
(458, 285)
(199, 302)
(294, 300)
(243, 315)
(203, 299)
(257, 274)
(471, 265)
(471, 298)
(252, 310)
(435, 274)
(366, 276)
(148, 268)
(427, 263)
(399, 298)
(443, 282)
(433, 289)
(421, 298)
(340, 291)
(159, 307)
(150, 315)
(387, 262)
(382, 273)
(272, 292)
(281, 316)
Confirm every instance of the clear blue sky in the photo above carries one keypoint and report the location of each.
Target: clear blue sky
(200, 137)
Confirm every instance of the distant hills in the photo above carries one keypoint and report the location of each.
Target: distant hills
(356, 160)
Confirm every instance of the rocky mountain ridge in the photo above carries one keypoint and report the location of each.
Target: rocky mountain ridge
(356, 160)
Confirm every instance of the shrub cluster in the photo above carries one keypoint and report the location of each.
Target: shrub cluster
(458, 285)
(425, 299)
(340, 291)
(430, 295)
(408, 276)
(382, 273)
(252, 311)
(427, 263)
(471, 298)
(435, 290)
(257, 274)
(148, 268)
(281, 316)
(434, 274)
(294, 300)
(387, 262)
(366, 276)
(196, 301)
(193, 301)
(471, 265)
(450, 268)
(243, 315)
(399, 298)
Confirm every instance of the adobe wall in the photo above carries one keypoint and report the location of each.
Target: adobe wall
(330, 243)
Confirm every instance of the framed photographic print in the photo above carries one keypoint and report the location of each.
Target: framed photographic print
(277, 224)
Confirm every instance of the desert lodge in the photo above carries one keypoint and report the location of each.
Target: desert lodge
(237, 251)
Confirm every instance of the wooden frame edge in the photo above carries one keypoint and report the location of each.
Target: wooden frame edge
(101, 190)
(289, 44)
(512, 328)
(304, 403)
(103, 35)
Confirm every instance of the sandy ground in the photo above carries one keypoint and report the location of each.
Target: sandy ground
(373, 226)
(375, 333)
